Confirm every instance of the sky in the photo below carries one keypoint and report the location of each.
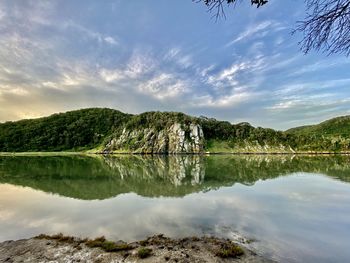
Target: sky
(143, 55)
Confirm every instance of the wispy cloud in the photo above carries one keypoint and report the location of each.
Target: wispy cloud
(99, 37)
(320, 65)
(110, 40)
(2, 13)
(259, 29)
(164, 86)
(235, 99)
(137, 67)
(176, 55)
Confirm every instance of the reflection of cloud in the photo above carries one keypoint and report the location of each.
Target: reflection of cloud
(265, 212)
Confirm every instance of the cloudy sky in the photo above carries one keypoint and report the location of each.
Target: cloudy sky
(138, 56)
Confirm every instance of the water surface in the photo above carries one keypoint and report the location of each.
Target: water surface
(296, 208)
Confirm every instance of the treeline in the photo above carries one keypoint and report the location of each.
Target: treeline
(89, 128)
(332, 135)
(74, 130)
(158, 120)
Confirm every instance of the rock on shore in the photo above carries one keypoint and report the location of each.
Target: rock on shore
(61, 249)
(178, 138)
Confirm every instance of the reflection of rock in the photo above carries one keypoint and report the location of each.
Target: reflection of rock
(178, 138)
(179, 170)
(101, 177)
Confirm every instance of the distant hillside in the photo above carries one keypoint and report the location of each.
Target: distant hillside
(339, 126)
(111, 131)
(64, 131)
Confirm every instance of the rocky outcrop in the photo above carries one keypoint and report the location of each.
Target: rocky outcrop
(156, 249)
(177, 138)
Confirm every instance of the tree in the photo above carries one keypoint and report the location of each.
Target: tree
(218, 5)
(326, 26)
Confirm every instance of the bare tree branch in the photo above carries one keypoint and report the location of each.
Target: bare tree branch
(326, 26)
(217, 6)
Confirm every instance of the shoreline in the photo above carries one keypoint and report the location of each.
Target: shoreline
(165, 154)
(158, 248)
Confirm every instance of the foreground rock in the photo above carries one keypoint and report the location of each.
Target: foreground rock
(59, 248)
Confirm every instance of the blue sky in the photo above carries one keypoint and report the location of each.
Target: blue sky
(143, 55)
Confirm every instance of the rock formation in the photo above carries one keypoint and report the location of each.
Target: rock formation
(177, 138)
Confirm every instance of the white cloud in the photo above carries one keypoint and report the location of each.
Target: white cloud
(284, 105)
(111, 75)
(229, 73)
(302, 88)
(172, 53)
(177, 55)
(229, 77)
(140, 64)
(204, 72)
(260, 29)
(232, 100)
(2, 13)
(97, 36)
(137, 67)
(164, 86)
(320, 65)
(110, 40)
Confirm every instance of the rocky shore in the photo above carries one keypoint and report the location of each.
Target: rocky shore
(60, 248)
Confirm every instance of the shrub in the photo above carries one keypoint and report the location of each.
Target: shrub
(144, 252)
(230, 251)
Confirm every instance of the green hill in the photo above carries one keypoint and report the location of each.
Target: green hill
(339, 126)
(73, 130)
(165, 132)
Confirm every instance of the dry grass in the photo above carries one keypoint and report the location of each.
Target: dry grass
(229, 251)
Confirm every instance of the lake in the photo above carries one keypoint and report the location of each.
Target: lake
(290, 208)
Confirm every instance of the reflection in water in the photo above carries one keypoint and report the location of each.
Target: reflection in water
(299, 214)
(90, 178)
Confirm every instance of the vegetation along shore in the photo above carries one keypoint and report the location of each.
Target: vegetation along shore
(60, 248)
(106, 131)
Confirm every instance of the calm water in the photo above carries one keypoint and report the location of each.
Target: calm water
(296, 208)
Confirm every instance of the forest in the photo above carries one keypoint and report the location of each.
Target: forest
(86, 129)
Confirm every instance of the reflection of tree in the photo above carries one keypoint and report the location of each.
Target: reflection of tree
(104, 177)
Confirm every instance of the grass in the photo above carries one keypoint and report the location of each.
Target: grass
(230, 251)
(144, 252)
(59, 237)
(221, 248)
(100, 242)
(40, 153)
(143, 242)
(217, 146)
(108, 246)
